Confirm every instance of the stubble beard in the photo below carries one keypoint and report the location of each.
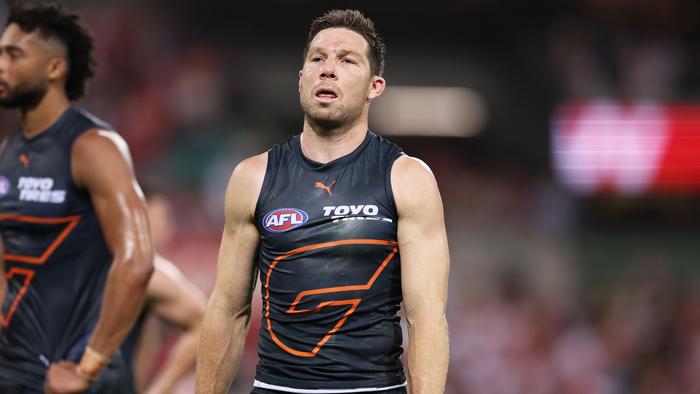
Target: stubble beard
(24, 97)
(330, 121)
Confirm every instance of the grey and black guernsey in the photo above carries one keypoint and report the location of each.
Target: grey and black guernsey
(56, 259)
(330, 272)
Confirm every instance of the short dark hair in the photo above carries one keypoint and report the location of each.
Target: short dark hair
(53, 21)
(352, 20)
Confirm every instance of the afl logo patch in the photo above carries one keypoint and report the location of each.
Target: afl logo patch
(4, 185)
(284, 219)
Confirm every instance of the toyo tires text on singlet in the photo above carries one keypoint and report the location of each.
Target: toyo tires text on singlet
(56, 259)
(330, 270)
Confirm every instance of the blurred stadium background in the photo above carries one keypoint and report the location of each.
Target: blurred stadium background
(565, 136)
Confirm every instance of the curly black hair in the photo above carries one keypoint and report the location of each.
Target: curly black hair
(352, 20)
(53, 21)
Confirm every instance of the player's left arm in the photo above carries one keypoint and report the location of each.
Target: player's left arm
(101, 164)
(425, 265)
(176, 301)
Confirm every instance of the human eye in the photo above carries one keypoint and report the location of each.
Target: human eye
(13, 53)
(315, 57)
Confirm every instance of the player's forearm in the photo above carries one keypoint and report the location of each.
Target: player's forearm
(220, 347)
(181, 361)
(122, 302)
(428, 354)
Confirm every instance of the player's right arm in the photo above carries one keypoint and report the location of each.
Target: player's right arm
(228, 312)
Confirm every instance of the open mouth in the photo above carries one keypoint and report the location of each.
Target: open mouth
(326, 95)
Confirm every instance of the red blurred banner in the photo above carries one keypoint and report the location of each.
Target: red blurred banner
(627, 148)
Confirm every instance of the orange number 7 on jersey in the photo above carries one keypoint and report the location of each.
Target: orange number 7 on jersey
(28, 276)
(353, 303)
(70, 221)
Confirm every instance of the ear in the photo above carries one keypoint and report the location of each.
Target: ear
(300, 75)
(57, 68)
(376, 87)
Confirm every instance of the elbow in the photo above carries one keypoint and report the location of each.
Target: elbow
(419, 319)
(142, 273)
(142, 261)
(136, 270)
(141, 267)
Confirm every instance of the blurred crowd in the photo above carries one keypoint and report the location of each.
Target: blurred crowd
(641, 335)
(544, 297)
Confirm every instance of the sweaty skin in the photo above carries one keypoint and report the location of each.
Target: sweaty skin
(30, 62)
(121, 210)
(336, 86)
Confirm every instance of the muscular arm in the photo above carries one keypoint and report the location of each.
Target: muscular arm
(228, 313)
(424, 270)
(101, 164)
(178, 302)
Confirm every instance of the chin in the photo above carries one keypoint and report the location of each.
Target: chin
(323, 116)
(328, 123)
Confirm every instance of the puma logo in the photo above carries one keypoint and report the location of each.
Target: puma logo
(321, 185)
(24, 159)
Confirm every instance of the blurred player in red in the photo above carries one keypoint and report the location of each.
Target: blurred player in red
(172, 299)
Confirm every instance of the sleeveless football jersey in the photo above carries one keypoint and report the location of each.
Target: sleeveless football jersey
(330, 271)
(55, 256)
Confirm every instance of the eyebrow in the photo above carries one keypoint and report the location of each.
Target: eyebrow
(340, 52)
(11, 48)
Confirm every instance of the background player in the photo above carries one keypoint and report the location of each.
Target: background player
(73, 220)
(294, 204)
(172, 299)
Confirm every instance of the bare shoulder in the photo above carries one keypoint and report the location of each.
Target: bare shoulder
(409, 167)
(251, 170)
(96, 142)
(245, 184)
(412, 182)
(97, 152)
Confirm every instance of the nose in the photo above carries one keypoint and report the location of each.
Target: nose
(328, 70)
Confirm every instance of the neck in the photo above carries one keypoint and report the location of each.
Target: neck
(323, 145)
(36, 120)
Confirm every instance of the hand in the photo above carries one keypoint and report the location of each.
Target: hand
(62, 378)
